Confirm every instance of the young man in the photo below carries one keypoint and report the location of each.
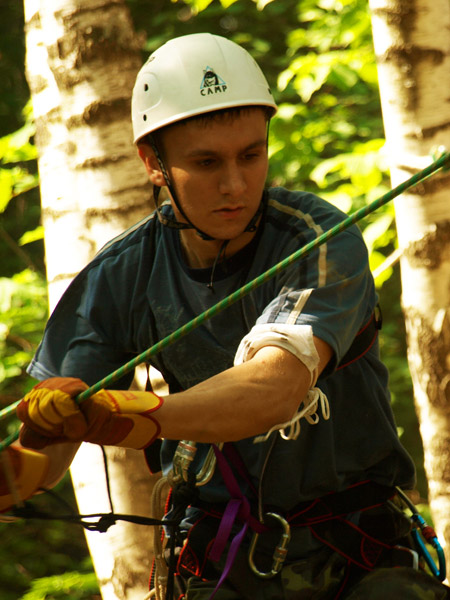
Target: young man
(305, 340)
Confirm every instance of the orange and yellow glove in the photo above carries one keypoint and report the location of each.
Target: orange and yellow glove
(50, 415)
(22, 473)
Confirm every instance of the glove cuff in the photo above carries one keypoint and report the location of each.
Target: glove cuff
(28, 471)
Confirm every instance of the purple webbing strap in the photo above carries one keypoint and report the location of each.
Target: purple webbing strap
(238, 507)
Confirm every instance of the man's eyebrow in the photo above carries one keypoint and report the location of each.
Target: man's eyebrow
(211, 152)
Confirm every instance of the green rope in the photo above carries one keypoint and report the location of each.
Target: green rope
(442, 162)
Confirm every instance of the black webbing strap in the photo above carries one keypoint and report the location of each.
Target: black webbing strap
(358, 547)
(326, 518)
(358, 497)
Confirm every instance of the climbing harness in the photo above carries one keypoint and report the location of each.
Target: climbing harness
(238, 507)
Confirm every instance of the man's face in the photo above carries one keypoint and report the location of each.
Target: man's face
(218, 168)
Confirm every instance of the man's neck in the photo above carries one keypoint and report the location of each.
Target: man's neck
(201, 254)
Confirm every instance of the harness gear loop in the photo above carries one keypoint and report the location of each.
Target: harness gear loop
(280, 552)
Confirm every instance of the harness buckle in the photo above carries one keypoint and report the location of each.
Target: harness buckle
(280, 552)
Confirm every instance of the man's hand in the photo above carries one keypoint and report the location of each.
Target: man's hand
(109, 417)
(22, 473)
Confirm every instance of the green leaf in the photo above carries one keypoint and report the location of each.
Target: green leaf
(378, 233)
(227, 3)
(16, 147)
(346, 76)
(14, 181)
(23, 306)
(32, 236)
(261, 4)
(342, 197)
(376, 259)
(7, 289)
(71, 585)
(6, 188)
(198, 5)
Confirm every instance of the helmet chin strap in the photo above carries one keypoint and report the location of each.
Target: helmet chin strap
(173, 223)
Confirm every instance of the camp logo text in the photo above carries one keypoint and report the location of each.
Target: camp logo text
(212, 83)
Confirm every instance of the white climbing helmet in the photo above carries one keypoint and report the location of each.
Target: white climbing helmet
(195, 74)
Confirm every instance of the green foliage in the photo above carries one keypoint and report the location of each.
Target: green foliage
(23, 299)
(19, 200)
(14, 178)
(32, 551)
(72, 585)
(14, 89)
(23, 306)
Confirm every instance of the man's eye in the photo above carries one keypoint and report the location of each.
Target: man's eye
(206, 162)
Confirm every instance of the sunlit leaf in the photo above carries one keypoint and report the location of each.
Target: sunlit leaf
(15, 147)
(199, 5)
(376, 260)
(261, 4)
(74, 585)
(32, 236)
(7, 288)
(227, 3)
(6, 187)
(341, 197)
(376, 234)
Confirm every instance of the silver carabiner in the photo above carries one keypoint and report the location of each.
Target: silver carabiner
(182, 460)
(280, 552)
(184, 457)
(209, 466)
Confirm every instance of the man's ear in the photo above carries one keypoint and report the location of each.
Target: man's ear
(151, 164)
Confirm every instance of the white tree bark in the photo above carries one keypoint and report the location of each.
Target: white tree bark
(82, 59)
(412, 44)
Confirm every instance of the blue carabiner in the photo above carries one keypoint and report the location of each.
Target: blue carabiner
(428, 533)
(422, 531)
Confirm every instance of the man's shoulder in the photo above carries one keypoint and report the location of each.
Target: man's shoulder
(300, 203)
(129, 240)
(121, 257)
(300, 210)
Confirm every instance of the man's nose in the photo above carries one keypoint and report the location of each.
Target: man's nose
(232, 180)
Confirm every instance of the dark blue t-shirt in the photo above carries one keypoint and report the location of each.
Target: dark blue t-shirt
(138, 290)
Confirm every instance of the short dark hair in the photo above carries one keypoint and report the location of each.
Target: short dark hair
(154, 137)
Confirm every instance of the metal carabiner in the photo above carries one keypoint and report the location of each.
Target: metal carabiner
(183, 459)
(280, 552)
(421, 528)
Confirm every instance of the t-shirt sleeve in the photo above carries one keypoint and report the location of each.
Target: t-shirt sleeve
(74, 344)
(331, 290)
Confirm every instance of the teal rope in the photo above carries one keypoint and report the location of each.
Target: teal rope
(442, 162)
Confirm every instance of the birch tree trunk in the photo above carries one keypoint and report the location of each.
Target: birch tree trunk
(412, 44)
(82, 59)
